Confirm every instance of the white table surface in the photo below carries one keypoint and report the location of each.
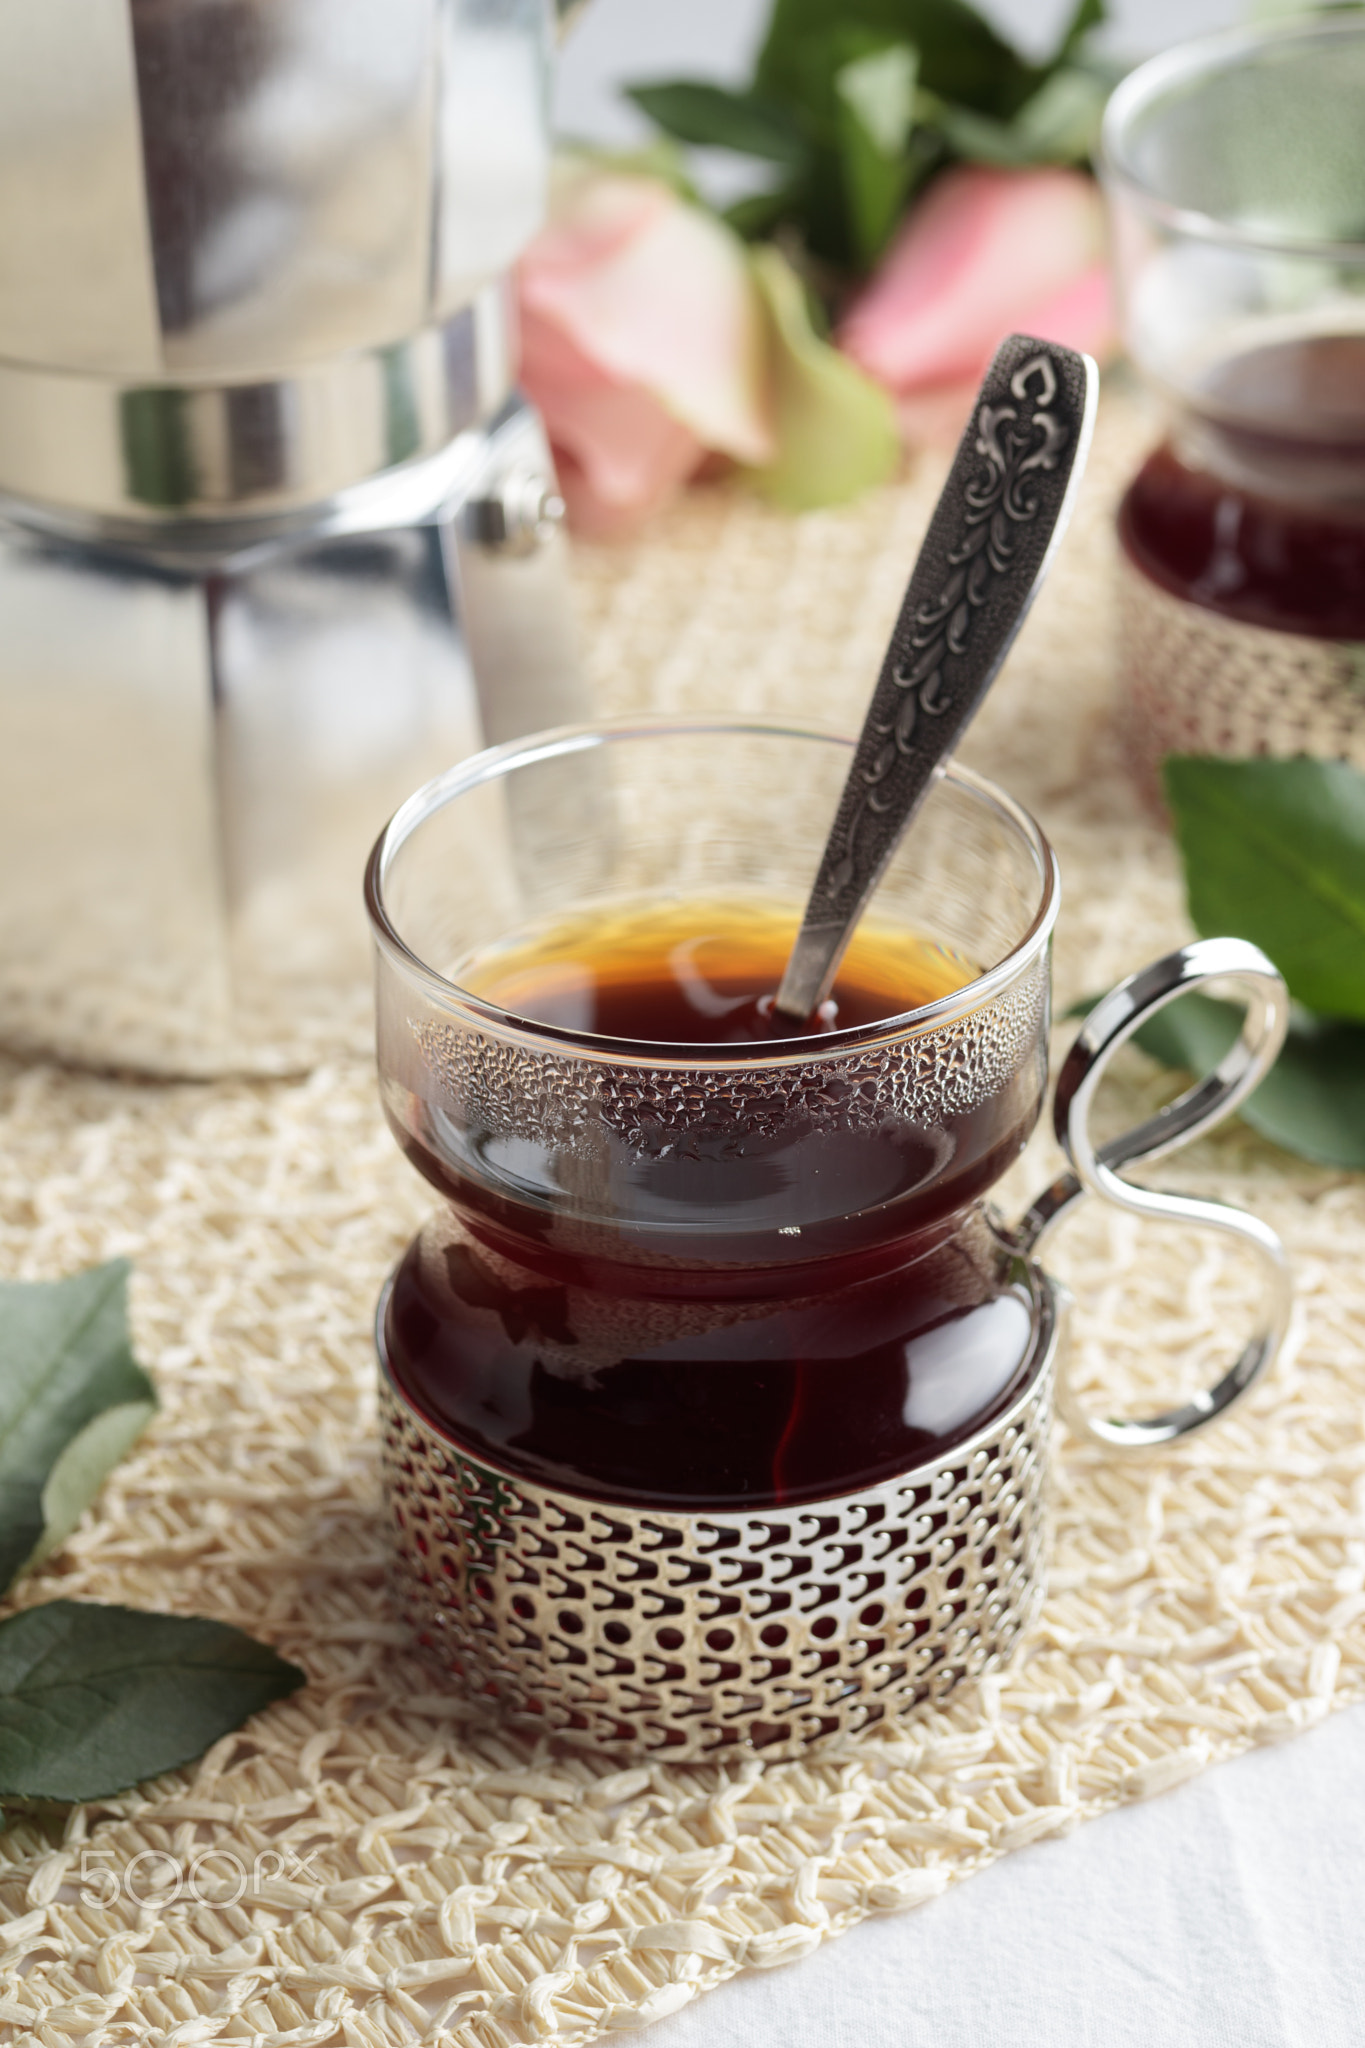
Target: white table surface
(1226, 1914)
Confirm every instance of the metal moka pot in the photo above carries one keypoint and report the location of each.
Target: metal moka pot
(277, 534)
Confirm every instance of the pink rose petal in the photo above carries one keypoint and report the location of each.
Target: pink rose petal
(986, 252)
(1081, 316)
(643, 343)
(656, 293)
(627, 452)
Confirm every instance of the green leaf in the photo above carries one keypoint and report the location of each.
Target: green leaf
(712, 118)
(977, 137)
(1312, 1102)
(877, 111)
(860, 101)
(83, 1467)
(65, 1360)
(960, 55)
(94, 1699)
(1090, 14)
(836, 429)
(1061, 123)
(758, 214)
(879, 90)
(1274, 852)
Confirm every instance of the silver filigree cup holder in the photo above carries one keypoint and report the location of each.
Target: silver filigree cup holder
(566, 1596)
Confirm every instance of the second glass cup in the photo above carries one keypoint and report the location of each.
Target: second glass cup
(1234, 167)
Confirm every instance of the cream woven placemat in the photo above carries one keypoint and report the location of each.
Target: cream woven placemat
(412, 1878)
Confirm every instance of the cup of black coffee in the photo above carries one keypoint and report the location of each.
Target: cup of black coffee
(716, 1392)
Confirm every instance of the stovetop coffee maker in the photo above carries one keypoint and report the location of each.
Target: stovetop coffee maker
(278, 536)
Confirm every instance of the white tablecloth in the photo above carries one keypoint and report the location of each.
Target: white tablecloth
(1225, 1915)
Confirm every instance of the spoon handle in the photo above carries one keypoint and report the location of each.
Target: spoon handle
(1002, 512)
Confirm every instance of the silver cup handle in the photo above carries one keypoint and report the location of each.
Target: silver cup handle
(1095, 1168)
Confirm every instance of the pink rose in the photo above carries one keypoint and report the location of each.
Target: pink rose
(642, 342)
(987, 252)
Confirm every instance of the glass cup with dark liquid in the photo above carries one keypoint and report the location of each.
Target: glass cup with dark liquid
(715, 1390)
(1234, 168)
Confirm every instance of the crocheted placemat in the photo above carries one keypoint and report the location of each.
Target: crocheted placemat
(363, 1863)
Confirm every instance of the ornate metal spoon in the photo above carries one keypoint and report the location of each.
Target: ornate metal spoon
(1001, 514)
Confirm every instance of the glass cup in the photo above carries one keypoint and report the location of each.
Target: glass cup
(716, 1394)
(1234, 167)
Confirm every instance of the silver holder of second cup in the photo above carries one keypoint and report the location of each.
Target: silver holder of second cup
(1194, 682)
